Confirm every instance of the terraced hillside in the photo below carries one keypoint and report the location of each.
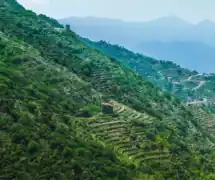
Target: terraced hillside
(194, 88)
(52, 127)
(126, 136)
(206, 120)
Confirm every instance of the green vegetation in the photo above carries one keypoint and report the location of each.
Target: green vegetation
(186, 84)
(51, 125)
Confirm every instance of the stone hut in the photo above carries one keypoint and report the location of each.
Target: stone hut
(107, 108)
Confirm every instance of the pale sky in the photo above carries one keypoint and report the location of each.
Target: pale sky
(129, 10)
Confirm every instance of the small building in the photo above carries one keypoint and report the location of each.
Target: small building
(107, 108)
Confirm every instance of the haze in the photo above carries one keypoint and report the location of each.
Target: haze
(129, 10)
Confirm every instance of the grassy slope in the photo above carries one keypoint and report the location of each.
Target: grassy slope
(48, 75)
(180, 84)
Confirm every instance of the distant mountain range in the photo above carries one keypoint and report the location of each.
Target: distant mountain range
(168, 38)
(192, 55)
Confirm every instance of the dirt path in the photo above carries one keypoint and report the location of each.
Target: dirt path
(201, 83)
(190, 78)
(199, 102)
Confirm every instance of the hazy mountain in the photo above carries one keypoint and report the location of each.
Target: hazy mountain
(170, 21)
(117, 31)
(169, 38)
(203, 32)
(193, 55)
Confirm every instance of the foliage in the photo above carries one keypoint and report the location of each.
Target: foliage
(165, 74)
(49, 77)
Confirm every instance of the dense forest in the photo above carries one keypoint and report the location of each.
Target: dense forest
(68, 111)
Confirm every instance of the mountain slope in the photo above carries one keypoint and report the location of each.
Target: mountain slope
(192, 55)
(39, 138)
(189, 85)
(53, 127)
(203, 32)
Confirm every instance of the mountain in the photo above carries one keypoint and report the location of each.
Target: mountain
(168, 38)
(184, 83)
(192, 55)
(170, 22)
(203, 32)
(68, 111)
(96, 29)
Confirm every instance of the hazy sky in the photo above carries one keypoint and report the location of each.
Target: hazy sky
(131, 10)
